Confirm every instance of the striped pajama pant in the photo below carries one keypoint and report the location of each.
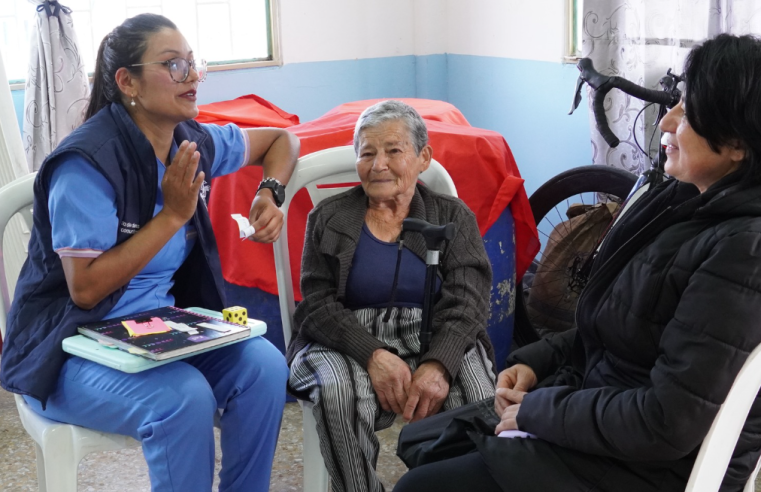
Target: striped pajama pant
(345, 405)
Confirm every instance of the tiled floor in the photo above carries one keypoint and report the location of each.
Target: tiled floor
(125, 471)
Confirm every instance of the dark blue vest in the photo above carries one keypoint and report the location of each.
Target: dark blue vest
(42, 313)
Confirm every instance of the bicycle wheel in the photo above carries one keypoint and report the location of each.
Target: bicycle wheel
(546, 298)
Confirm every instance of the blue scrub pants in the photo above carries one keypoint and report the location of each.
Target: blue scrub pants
(170, 410)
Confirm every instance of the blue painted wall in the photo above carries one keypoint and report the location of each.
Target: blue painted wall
(311, 89)
(526, 101)
(431, 81)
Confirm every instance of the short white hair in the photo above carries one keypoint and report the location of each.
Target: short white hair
(393, 110)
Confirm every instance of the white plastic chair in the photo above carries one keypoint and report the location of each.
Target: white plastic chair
(716, 450)
(326, 167)
(59, 447)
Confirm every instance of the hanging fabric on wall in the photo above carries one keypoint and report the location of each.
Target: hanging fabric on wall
(641, 39)
(57, 88)
(12, 160)
(12, 166)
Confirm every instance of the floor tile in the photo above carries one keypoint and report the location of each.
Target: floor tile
(126, 471)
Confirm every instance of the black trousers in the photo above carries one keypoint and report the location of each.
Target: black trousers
(467, 472)
(533, 465)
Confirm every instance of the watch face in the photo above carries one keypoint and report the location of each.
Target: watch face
(278, 191)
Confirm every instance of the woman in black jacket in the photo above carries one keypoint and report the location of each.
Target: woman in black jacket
(667, 320)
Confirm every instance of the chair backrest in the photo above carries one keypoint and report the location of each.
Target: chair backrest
(324, 174)
(15, 197)
(716, 450)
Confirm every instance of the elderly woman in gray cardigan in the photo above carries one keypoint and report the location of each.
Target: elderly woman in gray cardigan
(355, 351)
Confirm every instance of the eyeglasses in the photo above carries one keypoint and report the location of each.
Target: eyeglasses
(179, 68)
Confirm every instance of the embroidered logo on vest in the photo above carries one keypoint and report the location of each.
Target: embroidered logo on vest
(205, 188)
(129, 227)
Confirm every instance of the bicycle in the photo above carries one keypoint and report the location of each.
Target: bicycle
(593, 184)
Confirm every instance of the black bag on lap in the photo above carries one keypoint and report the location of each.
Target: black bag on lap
(446, 435)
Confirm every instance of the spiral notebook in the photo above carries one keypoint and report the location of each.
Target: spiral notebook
(164, 333)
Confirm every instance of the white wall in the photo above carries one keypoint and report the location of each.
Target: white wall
(349, 29)
(328, 30)
(519, 29)
(431, 21)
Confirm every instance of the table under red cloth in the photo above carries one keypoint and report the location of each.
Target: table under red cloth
(246, 112)
(479, 161)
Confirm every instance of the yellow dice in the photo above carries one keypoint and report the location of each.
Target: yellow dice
(236, 314)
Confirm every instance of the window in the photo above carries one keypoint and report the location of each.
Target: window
(229, 34)
(575, 17)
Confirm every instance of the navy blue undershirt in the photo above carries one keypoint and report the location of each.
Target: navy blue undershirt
(372, 275)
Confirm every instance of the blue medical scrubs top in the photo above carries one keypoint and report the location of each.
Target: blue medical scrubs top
(82, 207)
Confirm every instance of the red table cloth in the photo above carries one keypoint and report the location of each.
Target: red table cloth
(479, 161)
(246, 112)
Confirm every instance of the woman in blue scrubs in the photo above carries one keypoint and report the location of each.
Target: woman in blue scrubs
(121, 226)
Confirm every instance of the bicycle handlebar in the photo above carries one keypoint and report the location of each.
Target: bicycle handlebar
(602, 84)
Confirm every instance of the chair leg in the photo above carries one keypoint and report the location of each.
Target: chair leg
(41, 484)
(315, 474)
(60, 460)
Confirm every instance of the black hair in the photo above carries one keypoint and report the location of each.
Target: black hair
(122, 47)
(722, 96)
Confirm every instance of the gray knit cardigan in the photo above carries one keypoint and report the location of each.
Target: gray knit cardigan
(333, 230)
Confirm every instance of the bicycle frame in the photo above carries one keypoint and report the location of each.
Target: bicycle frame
(668, 97)
(578, 272)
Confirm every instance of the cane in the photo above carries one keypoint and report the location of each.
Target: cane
(434, 237)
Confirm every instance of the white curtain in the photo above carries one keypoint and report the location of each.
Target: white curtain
(57, 88)
(12, 166)
(12, 160)
(639, 40)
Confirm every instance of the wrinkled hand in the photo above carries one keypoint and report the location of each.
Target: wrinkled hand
(391, 379)
(266, 218)
(429, 389)
(520, 378)
(509, 418)
(180, 185)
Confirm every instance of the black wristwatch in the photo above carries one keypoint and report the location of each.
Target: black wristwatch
(278, 190)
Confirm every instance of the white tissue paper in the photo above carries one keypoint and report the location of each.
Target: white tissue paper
(512, 434)
(245, 228)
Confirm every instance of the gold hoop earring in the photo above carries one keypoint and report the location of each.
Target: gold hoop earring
(133, 101)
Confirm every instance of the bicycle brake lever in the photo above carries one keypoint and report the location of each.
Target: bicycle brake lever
(577, 95)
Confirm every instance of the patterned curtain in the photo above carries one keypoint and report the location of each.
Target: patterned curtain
(57, 88)
(641, 39)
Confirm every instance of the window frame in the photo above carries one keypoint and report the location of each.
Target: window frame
(275, 57)
(574, 15)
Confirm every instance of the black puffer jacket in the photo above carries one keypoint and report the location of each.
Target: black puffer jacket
(669, 317)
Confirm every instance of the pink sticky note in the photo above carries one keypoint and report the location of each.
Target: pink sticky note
(154, 325)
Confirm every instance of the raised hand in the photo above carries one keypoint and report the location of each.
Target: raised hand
(180, 184)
